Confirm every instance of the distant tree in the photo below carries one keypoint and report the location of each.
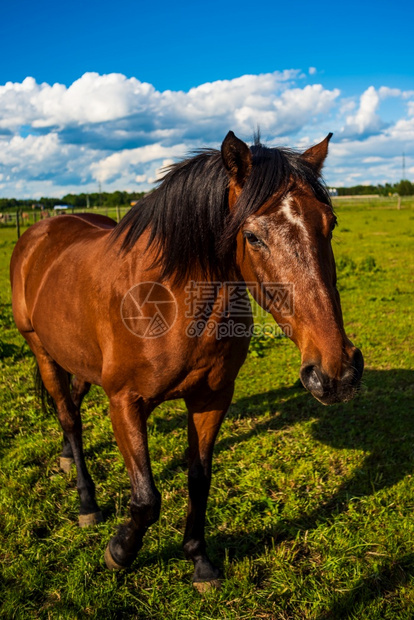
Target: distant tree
(404, 188)
(358, 190)
(386, 190)
(49, 203)
(76, 200)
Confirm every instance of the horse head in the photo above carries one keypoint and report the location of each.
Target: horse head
(286, 244)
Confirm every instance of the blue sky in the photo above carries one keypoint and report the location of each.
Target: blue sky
(184, 73)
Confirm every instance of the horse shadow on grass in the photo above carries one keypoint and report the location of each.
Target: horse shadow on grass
(379, 421)
(387, 579)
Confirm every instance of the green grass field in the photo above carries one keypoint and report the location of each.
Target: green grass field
(311, 507)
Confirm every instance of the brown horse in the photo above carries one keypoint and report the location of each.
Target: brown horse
(110, 305)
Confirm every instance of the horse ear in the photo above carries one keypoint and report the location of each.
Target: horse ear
(316, 155)
(237, 158)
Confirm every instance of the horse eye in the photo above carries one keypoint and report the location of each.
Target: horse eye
(251, 238)
(333, 225)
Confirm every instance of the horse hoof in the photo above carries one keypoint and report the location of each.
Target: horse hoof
(110, 562)
(91, 519)
(204, 586)
(65, 463)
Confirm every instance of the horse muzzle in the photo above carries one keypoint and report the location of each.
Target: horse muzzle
(330, 390)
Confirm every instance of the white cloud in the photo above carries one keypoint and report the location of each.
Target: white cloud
(123, 164)
(91, 99)
(366, 120)
(376, 159)
(385, 92)
(119, 131)
(346, 106)
(35, 157)
(95, 99)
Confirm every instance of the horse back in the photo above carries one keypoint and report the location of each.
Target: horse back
(42, 243)
(95, 219)
(52, 268)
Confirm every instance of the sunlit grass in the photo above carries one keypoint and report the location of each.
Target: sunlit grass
(310, 513)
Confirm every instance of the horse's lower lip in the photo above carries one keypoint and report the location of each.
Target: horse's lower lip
(328, 400)
(336, 398)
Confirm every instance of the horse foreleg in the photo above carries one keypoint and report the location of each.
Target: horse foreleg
(129, 421)
(206, 413)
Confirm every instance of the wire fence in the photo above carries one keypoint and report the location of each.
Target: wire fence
(22, 219)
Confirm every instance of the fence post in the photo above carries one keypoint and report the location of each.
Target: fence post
(18, 223)
(118, 216)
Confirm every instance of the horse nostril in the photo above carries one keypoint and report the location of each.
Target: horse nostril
(353, 374)
(311, 379)
(358, 363)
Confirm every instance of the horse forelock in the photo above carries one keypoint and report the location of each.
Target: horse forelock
(192, 231)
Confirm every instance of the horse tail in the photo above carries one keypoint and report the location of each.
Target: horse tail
(47, 402)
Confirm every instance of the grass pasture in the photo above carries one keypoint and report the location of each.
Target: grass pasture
(311, 507)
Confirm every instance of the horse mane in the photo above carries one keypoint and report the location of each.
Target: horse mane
(191, 228)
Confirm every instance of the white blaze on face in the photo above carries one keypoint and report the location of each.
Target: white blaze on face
(292, 229)
(291, 215)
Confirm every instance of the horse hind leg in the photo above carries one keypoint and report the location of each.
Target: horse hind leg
(66, 459)
(57, 383)
(79, 389)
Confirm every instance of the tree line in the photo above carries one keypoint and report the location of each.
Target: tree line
(119, 198)
(82, 201)
(402, 188)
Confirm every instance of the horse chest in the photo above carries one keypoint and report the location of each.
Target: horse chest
(212, 363)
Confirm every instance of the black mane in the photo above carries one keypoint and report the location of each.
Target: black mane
(188, 217)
